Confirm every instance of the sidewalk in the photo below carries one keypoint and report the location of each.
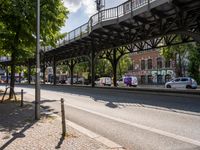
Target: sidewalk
(18, 130)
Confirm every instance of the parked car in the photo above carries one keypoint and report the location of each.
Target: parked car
(62, 81)
(130, 81)
(24, 81)
(103, 81)
(2, 81)
(86, 82)
(120, 82)
(182, 82)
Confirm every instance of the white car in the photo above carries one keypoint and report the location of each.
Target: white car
(182, 82)
(120, 82)
(24, 81)
(103, 81)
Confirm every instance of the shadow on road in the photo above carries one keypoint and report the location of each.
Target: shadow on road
(114, 98)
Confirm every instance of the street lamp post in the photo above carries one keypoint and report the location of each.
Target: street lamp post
(37, 82)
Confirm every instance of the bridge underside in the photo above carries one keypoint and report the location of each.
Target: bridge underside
(158, 24)
(148, 27)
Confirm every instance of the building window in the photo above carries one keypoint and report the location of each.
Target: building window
(159, 63)
(143, 79)
(167, 64)
(142, 64)
(150, 79)
(159, 79)
(149, 63)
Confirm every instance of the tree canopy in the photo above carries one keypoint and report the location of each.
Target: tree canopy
(18, 27)
(178, 54)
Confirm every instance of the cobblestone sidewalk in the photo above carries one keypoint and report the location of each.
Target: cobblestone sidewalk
(19, 131)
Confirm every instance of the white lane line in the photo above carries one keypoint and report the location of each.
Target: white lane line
(161, 132)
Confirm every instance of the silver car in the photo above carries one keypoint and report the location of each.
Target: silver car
(182, 82)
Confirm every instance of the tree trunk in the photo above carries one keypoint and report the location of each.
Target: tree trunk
(29, 72)
(13, 61)
(7, 75)
(20, 76)
(12, 78)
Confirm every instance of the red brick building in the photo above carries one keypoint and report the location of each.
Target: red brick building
(151, 68)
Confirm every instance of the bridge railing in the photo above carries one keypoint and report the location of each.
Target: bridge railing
(104, 15)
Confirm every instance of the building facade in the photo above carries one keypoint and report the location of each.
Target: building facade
(151, 68)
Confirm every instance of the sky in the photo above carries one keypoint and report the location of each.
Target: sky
(82, 10)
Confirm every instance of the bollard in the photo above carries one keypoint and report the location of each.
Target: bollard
(63, 118)
(22, 98)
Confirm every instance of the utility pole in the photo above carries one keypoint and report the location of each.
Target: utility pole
(37, 82)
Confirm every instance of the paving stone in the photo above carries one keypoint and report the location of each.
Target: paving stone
(19, 131)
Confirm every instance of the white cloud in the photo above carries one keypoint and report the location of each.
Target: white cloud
(72, 5)
(88, 6)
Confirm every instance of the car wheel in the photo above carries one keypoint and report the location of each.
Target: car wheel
(168, 86)
(188, 87)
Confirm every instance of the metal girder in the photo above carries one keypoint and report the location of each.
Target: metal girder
(140, 20)
(158, 13)
(147, 30)
(75, 60)
(195, 36)
(107, 54)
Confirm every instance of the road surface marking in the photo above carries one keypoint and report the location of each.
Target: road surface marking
(161, 132)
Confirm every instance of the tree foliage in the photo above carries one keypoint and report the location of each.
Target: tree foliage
(104, 67)
(194, 62)
(18, 27)
(177, 54)
(185, 56)
(124, 65)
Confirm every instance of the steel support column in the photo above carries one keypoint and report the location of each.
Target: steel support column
(71, 66)
(114, 66)
(93, 68)
(195, 36)
(44, 69)
(54, 71)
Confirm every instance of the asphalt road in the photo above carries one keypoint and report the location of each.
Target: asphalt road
(135, 120)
